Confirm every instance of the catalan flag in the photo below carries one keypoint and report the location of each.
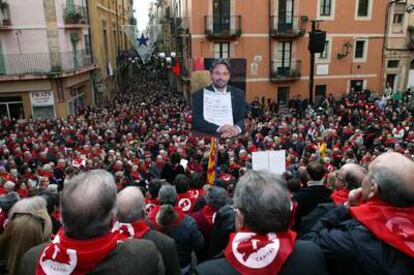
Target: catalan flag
(211, 169)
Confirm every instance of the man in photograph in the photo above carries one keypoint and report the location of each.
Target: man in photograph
(219, 109)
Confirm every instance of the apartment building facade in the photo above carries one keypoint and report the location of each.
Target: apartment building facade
(398, 71)
(273, 38)
(46, 65)
(109, 42)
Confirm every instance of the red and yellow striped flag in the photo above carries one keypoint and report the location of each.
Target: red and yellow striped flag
(211, 169)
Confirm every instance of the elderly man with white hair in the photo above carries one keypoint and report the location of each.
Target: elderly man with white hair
(373, 232)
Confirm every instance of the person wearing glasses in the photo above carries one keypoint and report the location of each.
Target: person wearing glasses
(373, 232)
(220, 73)
(347, 178)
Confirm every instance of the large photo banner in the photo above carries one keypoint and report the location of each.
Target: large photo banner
(218, 97)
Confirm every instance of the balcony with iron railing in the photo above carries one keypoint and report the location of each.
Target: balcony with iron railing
(5, 21)
(180, 25)
(44, 63)
(75, 16)
(285, 71)
(287, 26)
(222, 27)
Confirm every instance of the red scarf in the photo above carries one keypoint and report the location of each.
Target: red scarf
(209, 214)
(269, 251)
(340, 196)
(68, 256)
(152, 215)
(392, 225)
(56, 215)
(135, 230)
(136, 176)
(186, 201)
(150, 203)
(197, 193)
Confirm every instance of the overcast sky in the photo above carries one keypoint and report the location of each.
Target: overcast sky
(141, 12)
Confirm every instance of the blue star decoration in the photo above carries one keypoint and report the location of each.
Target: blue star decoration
(142, 40)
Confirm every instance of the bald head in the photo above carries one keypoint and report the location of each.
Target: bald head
(352, 175)
(88, 205)
(394, 175)
(131, 205)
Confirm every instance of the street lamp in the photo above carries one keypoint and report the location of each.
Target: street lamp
(168, 59)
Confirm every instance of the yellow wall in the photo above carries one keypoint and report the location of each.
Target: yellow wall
(102, 15)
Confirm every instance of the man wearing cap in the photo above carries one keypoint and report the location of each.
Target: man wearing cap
(220, 76)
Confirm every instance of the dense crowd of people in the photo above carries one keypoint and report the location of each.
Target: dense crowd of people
(107, 191)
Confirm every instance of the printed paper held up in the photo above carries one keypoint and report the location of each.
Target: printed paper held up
(271, 161)
(217, 108)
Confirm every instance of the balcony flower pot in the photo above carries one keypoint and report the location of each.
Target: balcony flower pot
(72, 17)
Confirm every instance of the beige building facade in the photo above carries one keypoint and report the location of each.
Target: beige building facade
(109, 42)
(46, 66)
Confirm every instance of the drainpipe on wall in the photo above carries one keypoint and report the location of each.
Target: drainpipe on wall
(94, 87)
(270, 42)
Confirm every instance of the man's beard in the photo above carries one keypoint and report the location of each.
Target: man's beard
(220, 84)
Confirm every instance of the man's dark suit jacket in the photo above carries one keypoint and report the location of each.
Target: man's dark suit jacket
(238, 105)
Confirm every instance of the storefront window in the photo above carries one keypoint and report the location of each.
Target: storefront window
(11, 107)
(43, 112)
(43, 104)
